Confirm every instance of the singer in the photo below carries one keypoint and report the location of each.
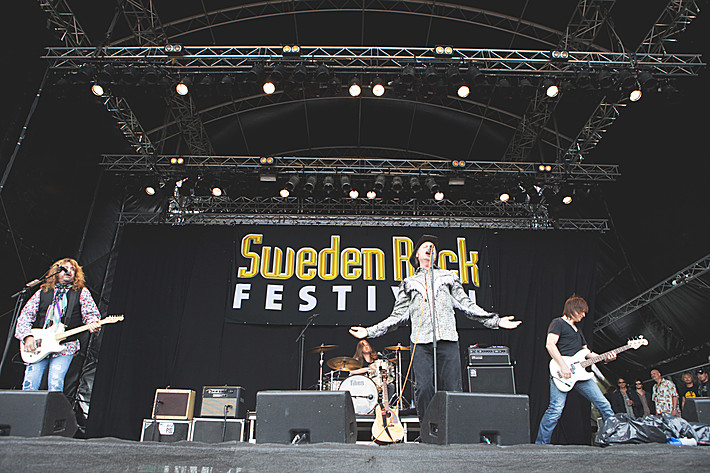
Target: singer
(62, 298)
(432, 288)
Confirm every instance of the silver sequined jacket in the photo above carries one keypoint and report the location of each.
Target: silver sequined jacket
(413, 303)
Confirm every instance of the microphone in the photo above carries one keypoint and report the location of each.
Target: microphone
(62, 269)
(313, 316)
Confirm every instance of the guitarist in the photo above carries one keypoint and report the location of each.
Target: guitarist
(564, 338)
(62, 298)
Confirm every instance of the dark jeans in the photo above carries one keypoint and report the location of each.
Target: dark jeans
(448, 362)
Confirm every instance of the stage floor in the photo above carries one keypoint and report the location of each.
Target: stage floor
(58, 454)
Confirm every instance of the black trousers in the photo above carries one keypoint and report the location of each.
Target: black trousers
(448, 362)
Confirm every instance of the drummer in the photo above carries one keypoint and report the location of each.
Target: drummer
(365, 354)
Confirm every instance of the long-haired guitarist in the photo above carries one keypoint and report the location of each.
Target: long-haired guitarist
(565, 339)
(64, 299)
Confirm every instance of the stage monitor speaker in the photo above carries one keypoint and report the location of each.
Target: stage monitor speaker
(174, 404)
(36, 413)
(464, 418)
(223, 402)
(218, 430)
(491, 379)
(696, 409)
(167, 430)
(292, 417)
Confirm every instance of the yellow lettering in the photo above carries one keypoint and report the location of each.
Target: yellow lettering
(350, 257)
(467, 261)
(276, 271)
(368, 254)
(446, 256)
(328, 260)
(402, 248)
(306, 257)
(253, 270)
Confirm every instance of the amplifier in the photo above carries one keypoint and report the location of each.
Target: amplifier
(176, 404)
(223, 401)
(488, 356)
(491, 379)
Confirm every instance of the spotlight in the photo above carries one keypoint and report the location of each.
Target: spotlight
(345, 183)
(322, 74)
(431, 77)
(279, 73)
(566, 195)
(150, 190)
(310, 184)
(438, 196)
(284, 192)
(551, 88)
(415, 185)
(207, 81)
(453, 74)
(544, 168)
(444, 50)
(181, 88)
(379, 183)
(291, 50)
(268, 88)
(432, 185)
(463, 91)
(177, 160)
(174, 49)
(606, 81)
(290, 186)
(504, 197)
(266, 160)
(300, 74)
(635, 94)
(227, 80)
(378, 88)
(476, 77)
(216, 191)
(328, 184)
(458, 163)
(626, 78)
(355, 88)
(560, 55)
(354, 194)
(647, 81)
(255, 74)
(97, 90)
(397, 184)
(371, 194)
(151, 75)
(408, 75)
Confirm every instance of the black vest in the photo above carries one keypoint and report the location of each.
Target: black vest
(71, 317)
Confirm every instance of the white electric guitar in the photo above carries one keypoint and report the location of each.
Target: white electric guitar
(47, 339)
(578, 363)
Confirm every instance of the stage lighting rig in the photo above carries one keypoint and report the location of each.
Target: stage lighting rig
(378, 87)
(291, 50)
(445, 51)
(174, 49)
(97, 90)
(355, 90)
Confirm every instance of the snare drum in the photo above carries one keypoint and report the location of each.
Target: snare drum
(363, 393)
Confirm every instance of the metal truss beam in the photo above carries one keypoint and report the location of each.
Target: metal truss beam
(530, 127)
(674, 19)
(144, 22)
(357, 212)
(375, 59)
(64, 24)
(130, 127)
(358, 166)
(591, 134)
(679, 279)
(585, 24)
(451, 12)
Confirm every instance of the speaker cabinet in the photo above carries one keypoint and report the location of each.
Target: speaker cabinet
(218, 430)
(696, 409)
(166, 430)
(305, 417)
(223, 401)
(491, 379)
(463, 418)
(36, 413)
(175, 404)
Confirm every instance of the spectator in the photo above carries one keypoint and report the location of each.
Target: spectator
(703, 385)
(646, 399)
(625, 400)
(665, 395)
(688, 389)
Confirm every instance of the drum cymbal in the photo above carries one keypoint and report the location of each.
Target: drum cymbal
(344, 363)
(321, 348)
(398, 347)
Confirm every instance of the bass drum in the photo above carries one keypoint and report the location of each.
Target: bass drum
(363, 393)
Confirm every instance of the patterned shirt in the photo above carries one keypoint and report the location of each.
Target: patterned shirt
(413, 304)
(89, 313)
(663, 394)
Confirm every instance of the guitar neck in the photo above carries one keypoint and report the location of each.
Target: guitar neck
(603, 356)
(74, 331)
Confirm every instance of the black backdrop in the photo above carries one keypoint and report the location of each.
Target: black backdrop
(175, 334)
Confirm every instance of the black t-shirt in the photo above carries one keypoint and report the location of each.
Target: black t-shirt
(570, 341)
(685, 391)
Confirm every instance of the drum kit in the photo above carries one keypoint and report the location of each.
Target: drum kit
(364, 388)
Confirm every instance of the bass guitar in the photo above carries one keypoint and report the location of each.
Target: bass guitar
(578, 364)
(387, 427)
(47, 339)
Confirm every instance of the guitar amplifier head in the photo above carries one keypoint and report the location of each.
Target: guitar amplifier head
(223, 401)
(175, 404)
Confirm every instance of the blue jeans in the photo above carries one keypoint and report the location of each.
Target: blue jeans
(58, 367)
(588, 389)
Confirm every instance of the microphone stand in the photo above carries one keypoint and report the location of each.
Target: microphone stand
(433, 326)
(19, 304)
(302, 338)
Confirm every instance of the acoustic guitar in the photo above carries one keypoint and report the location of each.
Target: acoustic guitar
(387, 427)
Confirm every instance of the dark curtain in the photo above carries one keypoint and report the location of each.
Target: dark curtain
(169, 284)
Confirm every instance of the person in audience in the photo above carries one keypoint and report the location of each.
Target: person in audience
(626, 401)
(703, 385)
(688, 389)
(665, 395)
(646, 398)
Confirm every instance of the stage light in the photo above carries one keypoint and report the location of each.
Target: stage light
(415, 185)
(605, 79)
(216, 191)
(227, 80)
(284, 192)
(626, 78)
(174, 49)
(355, 88)
(151, 75)
(567, 199)
(310, 184)
(647, 81)
(379, 183)
(432, 185)
(463, 91)
(408, 75)
(181, 88)
(453, 74)
(300, 74)
(268, 88)
(525, 86)
(397, 184)
(97, 90)
(378, 88)
(290, 186)
(566, 194)
(267, 160)
(178, 160)
(444, 50)
(544, 168)
(354, 194)
(150, 190)
(560, 55)
(438, 196)
(255, 73)
(207, 81)
(322, 74)
(345, 183)
(458, 163)
(328, 184)
(291, 50)
(504, 197)
(371, 194)
(635, 95)
(476, 77)
(431, 77)
(551, 89)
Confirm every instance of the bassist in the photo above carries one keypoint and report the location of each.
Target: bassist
(564, 338)
(63, 298)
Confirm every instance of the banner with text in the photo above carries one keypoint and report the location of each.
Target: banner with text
(345, 275)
